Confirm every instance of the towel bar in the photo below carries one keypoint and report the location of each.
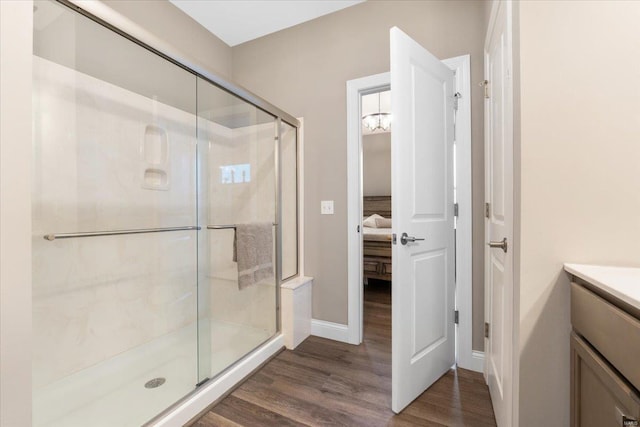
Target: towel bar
(226, 227)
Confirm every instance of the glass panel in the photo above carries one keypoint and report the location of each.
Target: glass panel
(236, 148)
(114, 149)
(289, 173)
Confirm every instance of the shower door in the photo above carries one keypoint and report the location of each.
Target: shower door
(147, 179)
(114, 226)
(237, 177)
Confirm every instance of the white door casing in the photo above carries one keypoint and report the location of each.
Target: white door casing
(499, 301)
(423, 332)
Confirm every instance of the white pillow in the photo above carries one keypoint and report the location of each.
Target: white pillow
(383, 222)
(371, 221)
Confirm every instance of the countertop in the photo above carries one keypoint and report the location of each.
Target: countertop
(621, 282)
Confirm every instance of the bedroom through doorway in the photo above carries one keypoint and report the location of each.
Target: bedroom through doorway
(376, 218)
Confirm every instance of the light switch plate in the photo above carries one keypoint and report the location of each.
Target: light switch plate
(326, 207)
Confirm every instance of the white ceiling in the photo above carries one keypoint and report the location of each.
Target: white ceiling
(238, 21)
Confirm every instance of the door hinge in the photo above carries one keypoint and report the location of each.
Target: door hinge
(456, 210)
(487, 210)
(393, 238)
(485, 84)
(486, 330)
(358, 229)
(456, 97)
(456, 317)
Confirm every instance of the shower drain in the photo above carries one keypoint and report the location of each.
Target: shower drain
(156, 382)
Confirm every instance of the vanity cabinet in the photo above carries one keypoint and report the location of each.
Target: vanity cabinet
(605, 356)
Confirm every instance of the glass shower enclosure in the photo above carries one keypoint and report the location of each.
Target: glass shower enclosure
(143, 170)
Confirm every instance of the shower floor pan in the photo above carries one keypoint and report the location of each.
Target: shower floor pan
(113, 393)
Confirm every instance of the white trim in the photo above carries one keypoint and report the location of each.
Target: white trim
(330, 330)
(355, 89)
(209, 393)
(477, 361)
(464, 288)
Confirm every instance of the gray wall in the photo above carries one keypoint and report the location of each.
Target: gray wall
(173, 26)
(376, 164)
(70, 39)
(304, 70)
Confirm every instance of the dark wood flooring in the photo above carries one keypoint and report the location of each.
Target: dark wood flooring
(323, 382)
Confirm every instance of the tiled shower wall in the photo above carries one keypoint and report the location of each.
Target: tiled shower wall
(96, 297)
(252, 200)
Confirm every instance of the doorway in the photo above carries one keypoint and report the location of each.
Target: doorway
(356, 89)
(376, 214)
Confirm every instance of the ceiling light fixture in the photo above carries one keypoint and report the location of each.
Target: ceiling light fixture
(378, 120)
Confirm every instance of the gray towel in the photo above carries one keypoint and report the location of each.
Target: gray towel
(253, 251)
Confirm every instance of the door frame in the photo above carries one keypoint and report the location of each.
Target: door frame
(465, 355)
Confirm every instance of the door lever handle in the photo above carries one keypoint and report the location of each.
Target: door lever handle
(405, 238)
(502, 244)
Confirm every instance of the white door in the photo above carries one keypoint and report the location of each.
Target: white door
(422, 101)
(499, 216)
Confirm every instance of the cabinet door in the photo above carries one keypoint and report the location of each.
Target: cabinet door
(599, 397)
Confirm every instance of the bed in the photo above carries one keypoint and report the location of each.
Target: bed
(376, 260)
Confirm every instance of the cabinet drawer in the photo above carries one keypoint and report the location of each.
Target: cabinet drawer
(614, 333)
(599, 397)
(386, 267)
(371, 266)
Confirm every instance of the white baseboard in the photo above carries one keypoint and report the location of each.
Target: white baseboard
(198, 402)
(330, 330)
(477, 361)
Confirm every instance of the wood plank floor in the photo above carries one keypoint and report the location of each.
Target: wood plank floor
(324, 382)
